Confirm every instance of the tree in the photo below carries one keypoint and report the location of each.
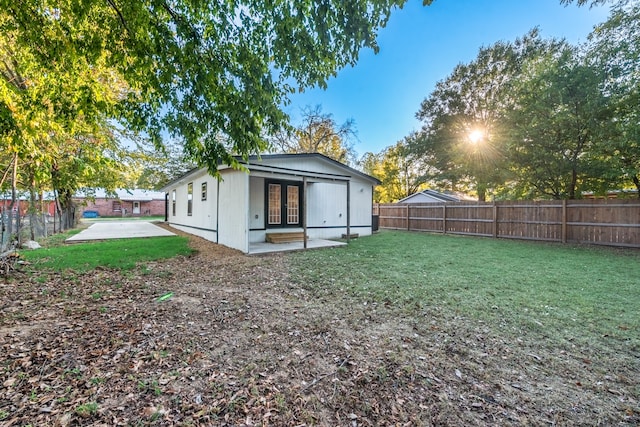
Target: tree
(400, 172)
(463, 132)
(590, 2)
(318, 132)
(212, 75)
(615, 49)
(158, 167)
(560, 116)
(55, 122)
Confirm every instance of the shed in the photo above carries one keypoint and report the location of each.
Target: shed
(302, 196)
(429, 196)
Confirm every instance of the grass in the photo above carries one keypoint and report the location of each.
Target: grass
(59, 239)
(87, 410)
(121, 254)
(550, 291)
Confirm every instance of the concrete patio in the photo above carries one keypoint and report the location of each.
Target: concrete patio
(266, 248)
(119, 230)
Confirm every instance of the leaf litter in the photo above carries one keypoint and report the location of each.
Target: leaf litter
(238, 343)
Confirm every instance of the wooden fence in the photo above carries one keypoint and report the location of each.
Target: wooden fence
(600, 222)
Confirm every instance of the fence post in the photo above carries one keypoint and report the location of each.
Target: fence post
(564, 221)
(495, 220)
(444, 218)
(408, 218)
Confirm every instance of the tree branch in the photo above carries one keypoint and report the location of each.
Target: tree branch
(120, 16)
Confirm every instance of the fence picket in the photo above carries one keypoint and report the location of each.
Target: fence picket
(600, 222)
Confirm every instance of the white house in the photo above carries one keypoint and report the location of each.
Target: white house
(308, 194)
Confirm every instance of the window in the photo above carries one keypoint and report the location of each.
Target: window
(190, 198)
(173, 202)
(117, 206)
(204, 191)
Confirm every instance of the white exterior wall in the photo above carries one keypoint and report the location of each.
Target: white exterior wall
(326, 204)
(257, 220)
(233, 223)
(361, 206)
(202, 221)
(327, 208)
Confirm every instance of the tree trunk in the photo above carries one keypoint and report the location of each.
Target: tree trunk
(482, 192)
(573, 184)
(14, 200)
(33, 208)
(67, 209)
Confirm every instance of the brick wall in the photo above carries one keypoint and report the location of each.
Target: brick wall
(115, 207)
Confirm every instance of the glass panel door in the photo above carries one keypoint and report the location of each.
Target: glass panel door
(293, 204)
(284, 204)
(275, 205)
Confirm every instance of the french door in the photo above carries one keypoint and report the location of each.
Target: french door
(284, 204)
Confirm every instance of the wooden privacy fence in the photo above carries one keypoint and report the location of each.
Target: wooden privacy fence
(600, 222)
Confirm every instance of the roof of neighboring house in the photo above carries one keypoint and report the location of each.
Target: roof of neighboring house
(430, 196)
(612, 194)
(132, 195)
(258, 161)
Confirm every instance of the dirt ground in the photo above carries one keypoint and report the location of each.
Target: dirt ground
(239, 343)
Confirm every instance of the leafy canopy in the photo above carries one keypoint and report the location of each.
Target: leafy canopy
(213, 75)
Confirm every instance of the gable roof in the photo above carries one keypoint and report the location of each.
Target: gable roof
(321, 157)
(259, 161)
(428, 196)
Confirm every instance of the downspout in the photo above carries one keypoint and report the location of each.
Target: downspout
(166, 207)
(218, 211)
(304, 211)
(348, 210)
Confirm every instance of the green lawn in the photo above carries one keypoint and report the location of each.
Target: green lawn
(121, 254)
(565, 294)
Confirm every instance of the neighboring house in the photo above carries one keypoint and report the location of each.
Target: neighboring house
(613, 194)
(430, 196)
(282, 193)
(127, 203)
(46, 204)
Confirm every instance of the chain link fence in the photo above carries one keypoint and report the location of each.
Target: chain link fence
(17, 229)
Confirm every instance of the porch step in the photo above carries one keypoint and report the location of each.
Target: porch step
(350, 236)
(287, 237)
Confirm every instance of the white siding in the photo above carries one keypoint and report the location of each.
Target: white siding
(307, 164)
(256, 202)
(327, 209)
(202, 221)
(361, 206)
(256, 209)
(233, 225)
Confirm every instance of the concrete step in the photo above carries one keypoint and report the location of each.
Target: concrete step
(285, 237)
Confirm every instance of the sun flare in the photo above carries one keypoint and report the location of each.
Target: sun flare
(476, 136)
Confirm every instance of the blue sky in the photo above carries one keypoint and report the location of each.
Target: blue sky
(420, 46)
